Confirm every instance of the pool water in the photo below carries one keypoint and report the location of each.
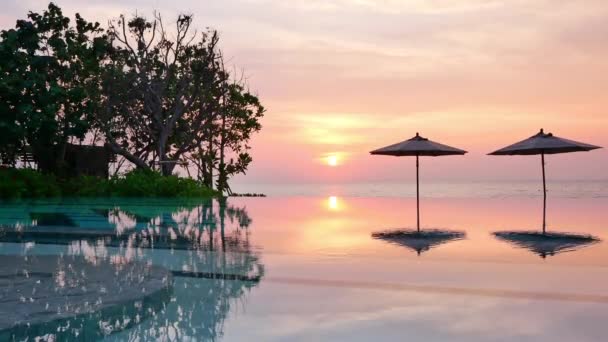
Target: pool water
(302, 269)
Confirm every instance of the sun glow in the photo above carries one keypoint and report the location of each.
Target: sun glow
(332, 160)
(332, 203)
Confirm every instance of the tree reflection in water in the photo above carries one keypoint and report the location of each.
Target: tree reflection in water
(205, 245)
(218, 248)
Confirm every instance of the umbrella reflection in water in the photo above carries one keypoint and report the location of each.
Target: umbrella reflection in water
(419, 241)
(547, 244)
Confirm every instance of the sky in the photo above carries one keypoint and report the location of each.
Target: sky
(340, 78)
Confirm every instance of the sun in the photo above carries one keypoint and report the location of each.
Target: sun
(332, 160)
(332, 203)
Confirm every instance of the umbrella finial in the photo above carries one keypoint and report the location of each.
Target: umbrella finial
(545, 135)
(417, 134)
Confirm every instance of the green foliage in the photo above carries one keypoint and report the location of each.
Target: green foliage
(140, 183)
(49, 84)
(86, 186)
(224, 146)
(241, 114)
(27, 183)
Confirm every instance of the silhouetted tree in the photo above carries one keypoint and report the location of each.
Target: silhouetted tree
(159, 91)
(228, 132)
(49, 85)
(158, 97)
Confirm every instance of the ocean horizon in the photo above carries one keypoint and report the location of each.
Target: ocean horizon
(433, 189)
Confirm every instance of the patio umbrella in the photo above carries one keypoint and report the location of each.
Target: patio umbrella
(544, 143)
(416, 147)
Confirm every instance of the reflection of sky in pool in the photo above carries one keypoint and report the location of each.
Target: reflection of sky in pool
(296, 268)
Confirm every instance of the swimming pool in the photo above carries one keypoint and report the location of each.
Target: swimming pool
(299, 268)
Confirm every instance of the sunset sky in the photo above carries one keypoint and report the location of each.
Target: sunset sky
(342, 77)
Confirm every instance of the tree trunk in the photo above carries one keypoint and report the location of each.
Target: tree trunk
(60, 166)
(221, 180)
(163, 161)
(139, 163)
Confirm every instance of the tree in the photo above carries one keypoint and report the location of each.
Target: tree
(158, 92)
(228, 131)
(49, 82)
(240, 118)
(158, 97)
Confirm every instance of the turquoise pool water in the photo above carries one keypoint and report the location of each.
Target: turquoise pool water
(302, 269)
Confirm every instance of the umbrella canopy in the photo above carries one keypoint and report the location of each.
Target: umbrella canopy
(544, 143)
(416, 147)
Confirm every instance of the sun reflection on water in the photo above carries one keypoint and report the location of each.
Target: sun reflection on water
(333, 203)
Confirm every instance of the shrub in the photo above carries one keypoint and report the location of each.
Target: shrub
(27, 183)
(139, 183)
(86, 186)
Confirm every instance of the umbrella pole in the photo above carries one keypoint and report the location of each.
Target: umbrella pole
(417, 196)
(542, 159)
